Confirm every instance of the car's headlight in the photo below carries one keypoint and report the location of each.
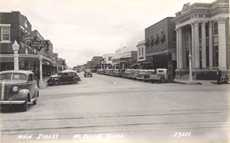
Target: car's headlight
(15, 89)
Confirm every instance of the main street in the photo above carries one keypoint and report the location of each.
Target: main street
(127, 108)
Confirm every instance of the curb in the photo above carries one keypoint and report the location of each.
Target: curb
(188, 83)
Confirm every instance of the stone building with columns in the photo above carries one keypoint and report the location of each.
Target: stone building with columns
(202, 33)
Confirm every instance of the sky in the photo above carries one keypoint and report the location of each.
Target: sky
(81, 29)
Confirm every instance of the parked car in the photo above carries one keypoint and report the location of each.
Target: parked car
(116, 72)
(54, 79)
(88, 73)
(144, 75)
(130, 73)
(64, 77)
(18, 88)
(160, 76)
(134, 73)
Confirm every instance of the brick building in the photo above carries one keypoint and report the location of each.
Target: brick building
(160, 41)
(16, 27)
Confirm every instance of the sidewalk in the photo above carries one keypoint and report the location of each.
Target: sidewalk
(196, 82)
(44, 83)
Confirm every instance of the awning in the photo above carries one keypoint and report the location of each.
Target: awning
(158, 53)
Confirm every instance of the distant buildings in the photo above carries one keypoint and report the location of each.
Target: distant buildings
(16, 27)
(124, 58)
(203, 32)
(141, 54)
(107, 61)
(61, 64)
(95, 63)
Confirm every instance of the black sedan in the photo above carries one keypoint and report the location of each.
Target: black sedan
(18, 88)
(64, 77)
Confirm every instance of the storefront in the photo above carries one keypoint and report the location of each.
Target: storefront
(28, 62)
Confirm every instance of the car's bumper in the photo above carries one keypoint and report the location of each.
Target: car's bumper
(12, 102)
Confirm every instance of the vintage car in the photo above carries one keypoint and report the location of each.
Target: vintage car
(130, 73)
(116, 72)
(144, 75)
(109, 72)
(64, 77)
(18, 88)
(88, 73)
(161, 75)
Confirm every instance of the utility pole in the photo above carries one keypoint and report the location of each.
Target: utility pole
(40, 69)
(190, 67)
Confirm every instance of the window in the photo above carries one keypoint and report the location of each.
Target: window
(5, 33)
(30, 77)
(142, 51)
(12, 76)
(139, 51)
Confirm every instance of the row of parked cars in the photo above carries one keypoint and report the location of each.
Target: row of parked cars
(151, 75)
(64, 77)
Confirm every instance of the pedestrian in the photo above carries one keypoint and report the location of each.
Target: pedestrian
(219, 74)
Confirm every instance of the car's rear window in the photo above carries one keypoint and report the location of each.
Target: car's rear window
(12, 76)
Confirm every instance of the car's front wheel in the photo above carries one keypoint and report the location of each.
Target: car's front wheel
(35, 102)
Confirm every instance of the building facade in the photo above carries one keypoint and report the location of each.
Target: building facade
(107, 61)
(141, 54)
(160, 41)
(16, 27)
(202, 31)
(124, 58)
(95, 63)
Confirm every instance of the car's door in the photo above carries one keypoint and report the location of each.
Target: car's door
(63, 78)
(32, 85)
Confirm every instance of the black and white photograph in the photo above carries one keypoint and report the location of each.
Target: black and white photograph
(122, 71)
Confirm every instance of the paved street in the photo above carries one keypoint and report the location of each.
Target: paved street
(125, 108)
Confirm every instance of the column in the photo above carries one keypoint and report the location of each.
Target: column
(210, 45)
(222, 45)
(40, 70)
(184, 45)
(179, 48)
(193, 45)
(196, 46)
(203, 39)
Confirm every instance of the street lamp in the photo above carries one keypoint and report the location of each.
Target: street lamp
(16, 47)
(190, 67)
(40, 68)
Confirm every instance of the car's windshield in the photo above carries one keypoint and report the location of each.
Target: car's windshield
(12, 76)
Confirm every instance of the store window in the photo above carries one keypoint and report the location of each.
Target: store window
(5, 33)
